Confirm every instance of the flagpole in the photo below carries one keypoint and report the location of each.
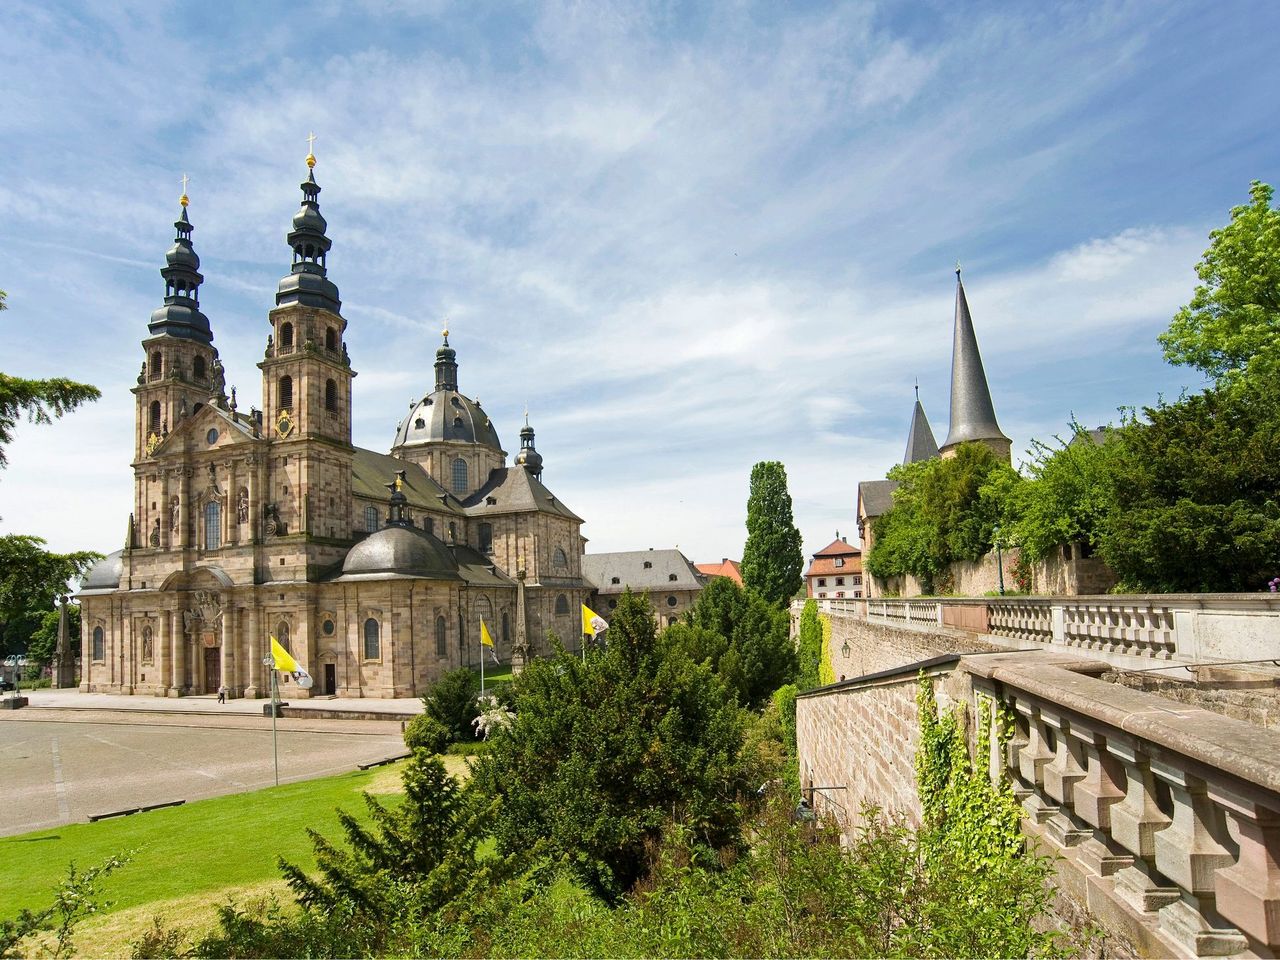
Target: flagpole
(275, 748)
(482, 662)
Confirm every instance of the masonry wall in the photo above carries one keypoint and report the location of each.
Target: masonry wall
(875, 647)
(862, 743)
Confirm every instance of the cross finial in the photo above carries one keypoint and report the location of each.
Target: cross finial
(445, 332)
(917, 389)
(311, 149)
(184, 199)
(957, 269)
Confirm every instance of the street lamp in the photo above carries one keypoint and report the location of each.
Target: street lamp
(995, 534)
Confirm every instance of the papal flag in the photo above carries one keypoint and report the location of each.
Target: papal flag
(285, 663)
(486, 640)
(592, 623)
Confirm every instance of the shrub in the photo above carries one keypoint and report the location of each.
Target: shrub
(425, 732)
(452, 702)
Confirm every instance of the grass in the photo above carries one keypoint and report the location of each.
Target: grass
(208, 848)
(495, 673)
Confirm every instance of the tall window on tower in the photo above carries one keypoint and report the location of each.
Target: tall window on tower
(157, 365)
(198, 368)
(212, 525)
(459, 476)
(286, 336)
(331, 395)
(330, 339)
(155, 417)
(286, 393)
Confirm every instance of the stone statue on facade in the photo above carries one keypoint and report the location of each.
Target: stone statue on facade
(175, 514)
(242, 506)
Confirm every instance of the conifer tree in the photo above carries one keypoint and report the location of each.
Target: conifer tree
(771, 560)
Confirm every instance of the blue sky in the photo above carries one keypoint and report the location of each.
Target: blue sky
(690, 237)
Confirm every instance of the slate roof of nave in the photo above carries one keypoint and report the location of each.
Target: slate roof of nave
(372, 471)
(515, 490)
(629, 567)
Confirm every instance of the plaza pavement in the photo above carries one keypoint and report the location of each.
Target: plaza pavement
(71, 755)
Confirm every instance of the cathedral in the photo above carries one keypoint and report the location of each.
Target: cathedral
(373, 569)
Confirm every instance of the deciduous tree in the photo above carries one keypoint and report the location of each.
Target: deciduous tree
(1232, 324)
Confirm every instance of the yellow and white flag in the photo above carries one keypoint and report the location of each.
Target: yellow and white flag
(592, 623)
(285, 663)
(485, 638)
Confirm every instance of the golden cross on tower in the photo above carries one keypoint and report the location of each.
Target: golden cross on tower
(311, 149)
(184, 199)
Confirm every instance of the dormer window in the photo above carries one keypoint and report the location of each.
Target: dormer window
(839, 561)
(419, 424)
(648, 565)
(672, 577)
(615, 581)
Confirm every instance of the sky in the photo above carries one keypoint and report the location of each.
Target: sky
(689, 237)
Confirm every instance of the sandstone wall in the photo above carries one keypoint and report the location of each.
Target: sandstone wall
(874, 647)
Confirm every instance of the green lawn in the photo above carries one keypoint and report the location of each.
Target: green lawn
(206, 846)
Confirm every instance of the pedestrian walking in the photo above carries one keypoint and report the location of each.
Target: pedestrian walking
(222, 693)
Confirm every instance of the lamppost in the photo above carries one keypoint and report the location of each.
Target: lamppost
(995, 535)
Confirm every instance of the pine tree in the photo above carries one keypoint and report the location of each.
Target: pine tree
(772, 559)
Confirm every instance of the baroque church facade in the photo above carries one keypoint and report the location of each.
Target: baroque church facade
(373, 569)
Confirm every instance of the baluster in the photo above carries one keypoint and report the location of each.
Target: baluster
(1248, 893)
(1189, 852)
(1094, 796)
(1032, 760)
(1061, 775)
(1135, 822)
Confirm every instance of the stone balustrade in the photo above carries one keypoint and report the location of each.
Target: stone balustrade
(1169, 814)
(1126, 630)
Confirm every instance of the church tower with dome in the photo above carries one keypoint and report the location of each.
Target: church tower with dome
(373, 569)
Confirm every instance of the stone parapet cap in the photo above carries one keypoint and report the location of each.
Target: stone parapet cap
(1216, 743)
(1177, 601)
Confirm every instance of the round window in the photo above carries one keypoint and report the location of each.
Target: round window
(613, 604)
(671, 601)
(327, 628)
(212, 436)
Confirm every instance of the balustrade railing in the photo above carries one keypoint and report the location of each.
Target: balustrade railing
(1176, 813)
(1123, 629)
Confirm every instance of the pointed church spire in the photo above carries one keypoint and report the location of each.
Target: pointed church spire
(921, 445)
(973, 417)
(180, 316)
(308, 282)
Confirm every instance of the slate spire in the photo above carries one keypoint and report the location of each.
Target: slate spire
(921, 445)
(973, 417)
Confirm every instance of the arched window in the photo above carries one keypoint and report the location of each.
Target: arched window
(157, 365)
(155, 417)
(485, 534)
(442, 629)
(282, 634)
(459, 476)
(560, 560)
(330, 339)
(286, 336)
(212, 525)
(562, 604)
(372, 644)
(331, 395)
(370, 519)
(197, 367)
(506, 627)
(286, 393)
(99, 644)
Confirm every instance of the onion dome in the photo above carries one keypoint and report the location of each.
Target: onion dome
(528, 457)
(180, 316)
(105, 574)
(308, 282)
(445, 414)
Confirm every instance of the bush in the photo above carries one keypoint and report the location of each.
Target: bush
(452, 702)
(425, 732)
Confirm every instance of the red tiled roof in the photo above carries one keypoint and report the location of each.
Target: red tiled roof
(838, 548)
(725, 568)
(826, 566)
